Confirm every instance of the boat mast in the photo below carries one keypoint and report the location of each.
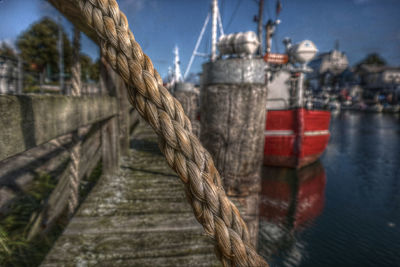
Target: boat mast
(194, 53)
(214, 15)
(300, 86)
(268, 35)
(216, 21)
(177, 68)
(260, 25)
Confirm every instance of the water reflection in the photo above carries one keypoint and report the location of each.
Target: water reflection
(289, 200)
(358, 211)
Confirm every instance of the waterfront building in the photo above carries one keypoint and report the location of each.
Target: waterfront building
(327, 71)
(382, 83)
(8, 75)
(379, 77)
(333, 62)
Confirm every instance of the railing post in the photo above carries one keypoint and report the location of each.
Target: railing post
(107, 79)
(110, 130)
(114, 86)
(110, 145)
(123, 115)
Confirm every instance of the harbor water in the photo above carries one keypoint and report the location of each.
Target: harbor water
(343, 210)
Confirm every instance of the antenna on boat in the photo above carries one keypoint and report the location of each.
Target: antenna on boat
(214, 11)
(259, 20)
(216, 21)
(271, 27)
(337, 45)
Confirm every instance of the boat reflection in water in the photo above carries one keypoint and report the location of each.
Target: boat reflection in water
(290, 199)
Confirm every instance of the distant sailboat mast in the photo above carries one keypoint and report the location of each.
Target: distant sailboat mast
(214, 12)
(177, 69)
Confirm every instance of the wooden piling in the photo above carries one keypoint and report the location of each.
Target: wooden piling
(233, 100)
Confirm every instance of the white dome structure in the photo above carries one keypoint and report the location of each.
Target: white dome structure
(242, 43)
(303, 52)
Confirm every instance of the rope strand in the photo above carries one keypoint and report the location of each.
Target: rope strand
(184, 153)
(74, 181)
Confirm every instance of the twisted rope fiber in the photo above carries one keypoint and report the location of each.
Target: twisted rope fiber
(73, 198)
(184, 153)
(76, 65)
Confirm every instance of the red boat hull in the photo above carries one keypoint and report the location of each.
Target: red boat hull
(295, 196)
(296, 137)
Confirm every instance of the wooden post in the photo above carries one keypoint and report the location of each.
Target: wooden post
(110, 145)
(107, 79)
(233, 111)
(115, 86)
(110, 129)
(124, 121)
(102, 78)
(123, 113)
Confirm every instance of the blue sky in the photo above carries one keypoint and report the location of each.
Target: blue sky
(361, 26)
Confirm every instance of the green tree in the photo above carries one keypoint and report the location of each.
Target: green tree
(372, 59)
(38, 46)
(86, 63)
(7, 51)
(89, 69)
(94, 73)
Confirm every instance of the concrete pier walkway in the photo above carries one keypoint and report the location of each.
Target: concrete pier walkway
(138, 217)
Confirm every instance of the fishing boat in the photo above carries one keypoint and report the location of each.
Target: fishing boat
(295, 137)
(296, 134)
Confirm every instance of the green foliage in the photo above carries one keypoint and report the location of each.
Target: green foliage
(372, 59)
(30, 80)
(15, 248)
(4, 243)
(7, 51)
(95, 71)
(38, 46)
(89, 69)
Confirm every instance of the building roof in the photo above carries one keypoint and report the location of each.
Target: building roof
(376, 68)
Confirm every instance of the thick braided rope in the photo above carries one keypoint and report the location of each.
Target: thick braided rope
(184, 153)
(73, 198)
(76, 65)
